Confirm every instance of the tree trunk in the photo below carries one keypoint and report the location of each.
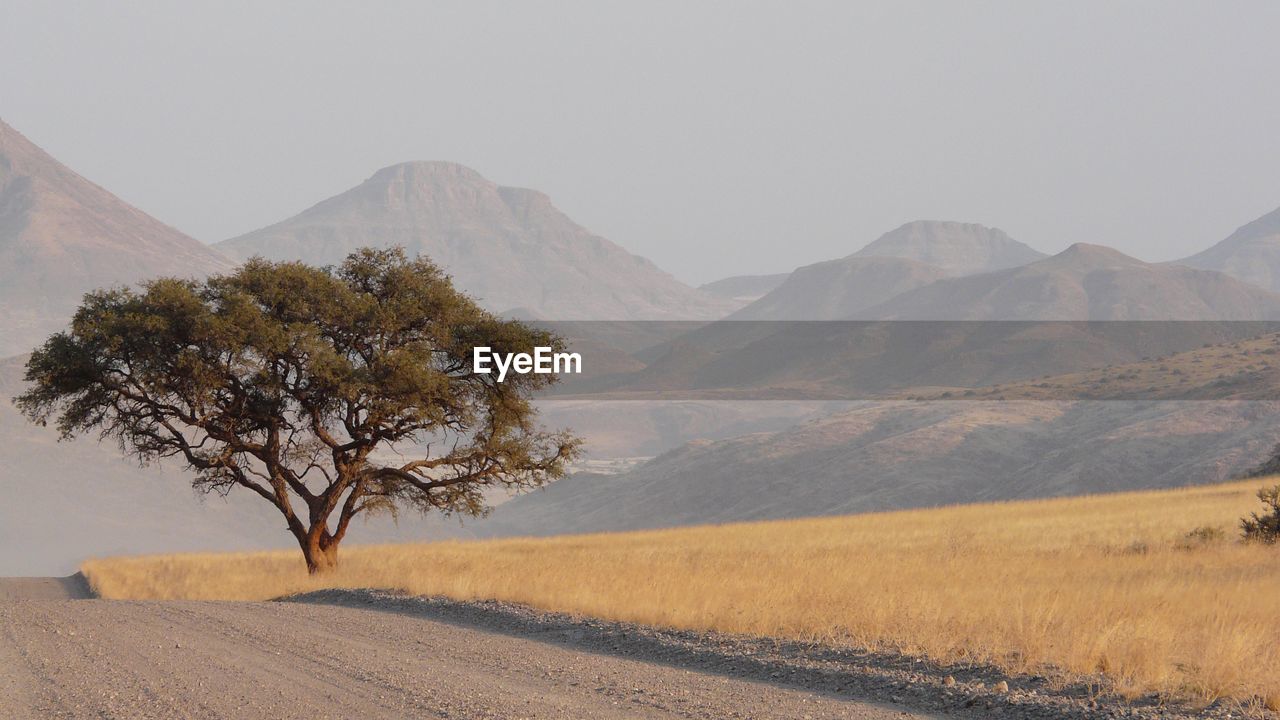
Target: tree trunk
(320, 551)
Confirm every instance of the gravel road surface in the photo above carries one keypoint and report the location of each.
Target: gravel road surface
(44, 588)
(67, 658)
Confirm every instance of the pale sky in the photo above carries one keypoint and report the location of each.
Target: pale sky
(714, 138)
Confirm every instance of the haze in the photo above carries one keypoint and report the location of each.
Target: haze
(715, 139)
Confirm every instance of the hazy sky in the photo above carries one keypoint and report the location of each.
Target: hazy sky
(714, 138)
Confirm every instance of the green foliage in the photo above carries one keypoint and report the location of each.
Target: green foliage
(1264, 528)
(284, 379)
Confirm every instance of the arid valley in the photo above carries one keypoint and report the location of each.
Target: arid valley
(577, 360)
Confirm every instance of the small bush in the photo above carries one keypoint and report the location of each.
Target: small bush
(1264, 528)
(1201, 537)
(1137, 547)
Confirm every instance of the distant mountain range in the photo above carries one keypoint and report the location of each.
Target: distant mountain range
(912, 256)
(919, 272)
(840, 289)
(62, 236)
(1084, 282)
(508, 247)
(960, 334)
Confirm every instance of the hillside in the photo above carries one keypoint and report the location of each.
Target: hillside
(61, 236)
(1085, 282)
(860, 360)
(1251, 253)
(744, 288)
(1244, 370)
(838, 289)
(508, 247)
(889, 455)
(627, 430)
(1171, 418)
(957, 248)
(909, 257)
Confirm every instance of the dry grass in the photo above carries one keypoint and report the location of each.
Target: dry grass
(1073, 587)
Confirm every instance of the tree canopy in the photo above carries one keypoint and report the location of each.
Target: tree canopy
(329, 392)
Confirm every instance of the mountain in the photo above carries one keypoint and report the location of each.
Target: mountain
(912, 256)
(892, 455)
(1085, 282)
(958, 248)
(744, 288)
(840, 288)
(1251, 253)
(61, 236)
(508, 247)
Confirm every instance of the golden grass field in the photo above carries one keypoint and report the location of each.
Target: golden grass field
(1069, 587)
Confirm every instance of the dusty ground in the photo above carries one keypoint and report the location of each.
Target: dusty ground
(64, 658)
(371, 654)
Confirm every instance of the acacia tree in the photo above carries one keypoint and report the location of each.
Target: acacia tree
(301, 384)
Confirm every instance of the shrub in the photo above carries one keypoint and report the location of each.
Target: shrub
(1201, 537)
(1264, 528)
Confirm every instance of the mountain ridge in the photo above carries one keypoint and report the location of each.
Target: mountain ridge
(509, 247)
(1084, 282)
(908, 257)
(837, 289)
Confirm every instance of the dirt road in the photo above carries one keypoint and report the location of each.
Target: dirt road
(63, 658)
(44, 588)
